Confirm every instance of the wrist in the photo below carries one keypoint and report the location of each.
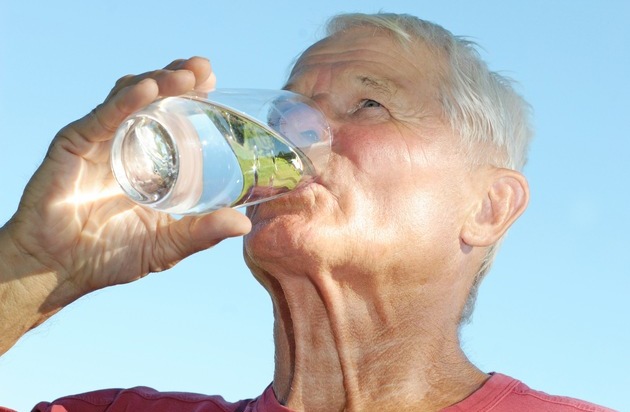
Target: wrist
(29, 292)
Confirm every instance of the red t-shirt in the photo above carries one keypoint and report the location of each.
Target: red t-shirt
(500, 393)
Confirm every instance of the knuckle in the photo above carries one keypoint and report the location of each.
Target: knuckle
(120, 84)
(106, 125)
(158, 74)
(175, 64)
(125, 79)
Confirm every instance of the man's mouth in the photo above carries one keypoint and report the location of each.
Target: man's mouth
(302, 198)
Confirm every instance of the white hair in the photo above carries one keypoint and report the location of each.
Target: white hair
(481, 105)
(491, 118)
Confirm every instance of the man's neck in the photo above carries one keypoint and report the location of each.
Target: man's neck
(338, 349)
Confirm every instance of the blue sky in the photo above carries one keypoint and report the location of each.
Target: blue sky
(553, 311)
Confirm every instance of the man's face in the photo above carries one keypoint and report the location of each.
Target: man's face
(397, 187)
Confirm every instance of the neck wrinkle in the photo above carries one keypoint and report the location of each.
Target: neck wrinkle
(308, 372)
(345, 348)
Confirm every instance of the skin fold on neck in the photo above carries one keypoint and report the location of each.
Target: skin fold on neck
(337, 350)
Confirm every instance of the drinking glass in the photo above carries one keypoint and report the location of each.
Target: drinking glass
(193, 154)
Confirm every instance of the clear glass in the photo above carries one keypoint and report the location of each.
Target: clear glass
(194, 154)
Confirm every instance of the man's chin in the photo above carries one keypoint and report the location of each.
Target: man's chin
(280, 235)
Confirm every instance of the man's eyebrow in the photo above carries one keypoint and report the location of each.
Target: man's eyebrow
(384, 86)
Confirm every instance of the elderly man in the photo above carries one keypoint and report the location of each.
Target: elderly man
(371, 269)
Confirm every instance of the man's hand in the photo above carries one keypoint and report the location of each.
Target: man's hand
(75, 231)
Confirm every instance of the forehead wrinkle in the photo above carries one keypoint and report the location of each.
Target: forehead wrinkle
(349, 72)
(330, 51)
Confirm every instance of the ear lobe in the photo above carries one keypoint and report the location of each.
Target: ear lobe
(501, 202)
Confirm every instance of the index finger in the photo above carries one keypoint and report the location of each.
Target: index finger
(100, 124)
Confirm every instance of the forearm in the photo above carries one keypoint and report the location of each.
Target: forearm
(29, 292)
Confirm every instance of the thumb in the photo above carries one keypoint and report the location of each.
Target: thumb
(221, 224)
(196, 233)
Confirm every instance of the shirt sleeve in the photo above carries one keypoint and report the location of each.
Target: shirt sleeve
(140, 399)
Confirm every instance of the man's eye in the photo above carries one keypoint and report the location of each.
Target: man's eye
(369, 103)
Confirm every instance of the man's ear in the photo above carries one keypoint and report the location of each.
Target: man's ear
(502, 199)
